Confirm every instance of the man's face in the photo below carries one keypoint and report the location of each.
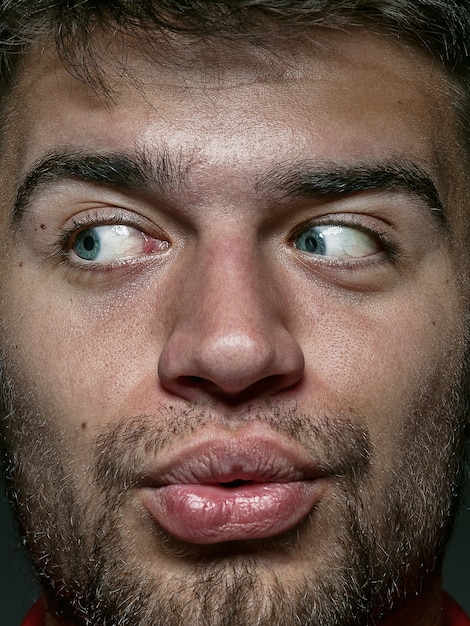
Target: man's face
(233, 333)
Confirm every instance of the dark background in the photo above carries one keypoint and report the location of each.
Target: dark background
(18, 588)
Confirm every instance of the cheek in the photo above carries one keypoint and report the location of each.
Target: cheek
(376, 361)
(87, 362)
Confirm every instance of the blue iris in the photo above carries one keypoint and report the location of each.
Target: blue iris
(87, 244)
(311, 240)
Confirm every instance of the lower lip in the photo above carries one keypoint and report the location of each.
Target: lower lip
(206, 514)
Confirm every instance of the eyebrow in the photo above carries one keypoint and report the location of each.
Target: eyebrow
(162, 174)
(325, 181)
(135, 171)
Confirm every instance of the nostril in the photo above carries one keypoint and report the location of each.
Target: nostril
(235, 391)
(191, 381)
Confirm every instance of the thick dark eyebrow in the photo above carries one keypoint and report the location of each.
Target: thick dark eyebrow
(323, 181)
(134, 171)
(138, 171)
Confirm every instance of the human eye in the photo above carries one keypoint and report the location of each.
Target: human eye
(108, 244)
(338, 241)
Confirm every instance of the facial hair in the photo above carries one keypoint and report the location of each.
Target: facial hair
(386, 549)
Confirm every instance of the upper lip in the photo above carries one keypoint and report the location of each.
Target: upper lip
(217, 457)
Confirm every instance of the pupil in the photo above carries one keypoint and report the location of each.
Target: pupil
(88, 243)
(311, 244)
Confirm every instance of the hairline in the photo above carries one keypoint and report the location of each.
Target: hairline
(94, 78)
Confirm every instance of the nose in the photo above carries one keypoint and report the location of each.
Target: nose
(228, 339)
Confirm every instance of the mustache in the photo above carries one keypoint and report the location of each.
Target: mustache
(123, 449)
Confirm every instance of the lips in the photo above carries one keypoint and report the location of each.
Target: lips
(224, 487)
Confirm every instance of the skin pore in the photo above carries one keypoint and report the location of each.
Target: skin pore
(243, 250)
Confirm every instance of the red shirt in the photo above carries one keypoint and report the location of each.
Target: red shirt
(36, 616)
(453, 614)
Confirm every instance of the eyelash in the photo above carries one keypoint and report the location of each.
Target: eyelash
(64, 239)
(66, 234)
(389, 248)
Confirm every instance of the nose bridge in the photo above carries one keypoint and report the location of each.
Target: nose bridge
(229, 314)
(228, 332)
(230, 295)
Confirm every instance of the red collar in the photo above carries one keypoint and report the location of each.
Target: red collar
(453, 614)
(35, 616)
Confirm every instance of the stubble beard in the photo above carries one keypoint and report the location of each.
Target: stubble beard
(384, 552)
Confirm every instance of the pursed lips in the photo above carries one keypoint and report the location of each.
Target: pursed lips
(223, 487)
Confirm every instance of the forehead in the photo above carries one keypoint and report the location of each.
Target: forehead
(351, 96)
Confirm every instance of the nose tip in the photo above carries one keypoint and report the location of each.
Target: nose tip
(235, 361)
(231, 365)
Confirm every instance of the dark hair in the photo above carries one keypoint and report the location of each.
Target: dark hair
(441, 27)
